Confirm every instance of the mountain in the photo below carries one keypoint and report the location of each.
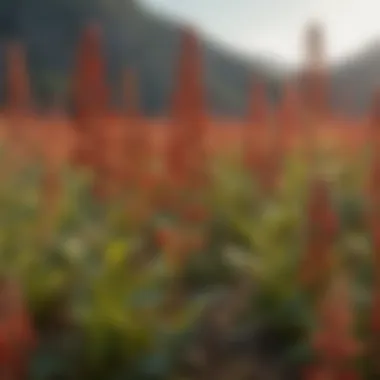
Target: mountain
(134, 37)
(354, 80)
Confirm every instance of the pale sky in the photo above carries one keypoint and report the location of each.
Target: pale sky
(273, 27)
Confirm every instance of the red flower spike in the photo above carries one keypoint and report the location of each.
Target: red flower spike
(189, 100)
(186, 149)
(322, 228)
(18, 98)
(18, 86)
(90, 94)
(315, 75)
(316, 264)
(90, 88)
(17, 338)
(320, 213)
(334, 343)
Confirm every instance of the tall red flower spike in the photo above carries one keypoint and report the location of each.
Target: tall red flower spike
(196, 128)
(316, 82)
(90, 94)
(17, 79)
(186, 150)
(189, 102)
(90, 89)
(322, 227)
(17, 337)
(333, 342)
(319, 209)
(18, 95)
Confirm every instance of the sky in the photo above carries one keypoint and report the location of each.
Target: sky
(273, 28)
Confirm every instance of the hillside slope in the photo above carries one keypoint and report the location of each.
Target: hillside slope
(134, 37)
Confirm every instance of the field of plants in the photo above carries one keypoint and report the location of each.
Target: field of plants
(182, 248)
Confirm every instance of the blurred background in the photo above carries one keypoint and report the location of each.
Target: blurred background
(189, 189)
